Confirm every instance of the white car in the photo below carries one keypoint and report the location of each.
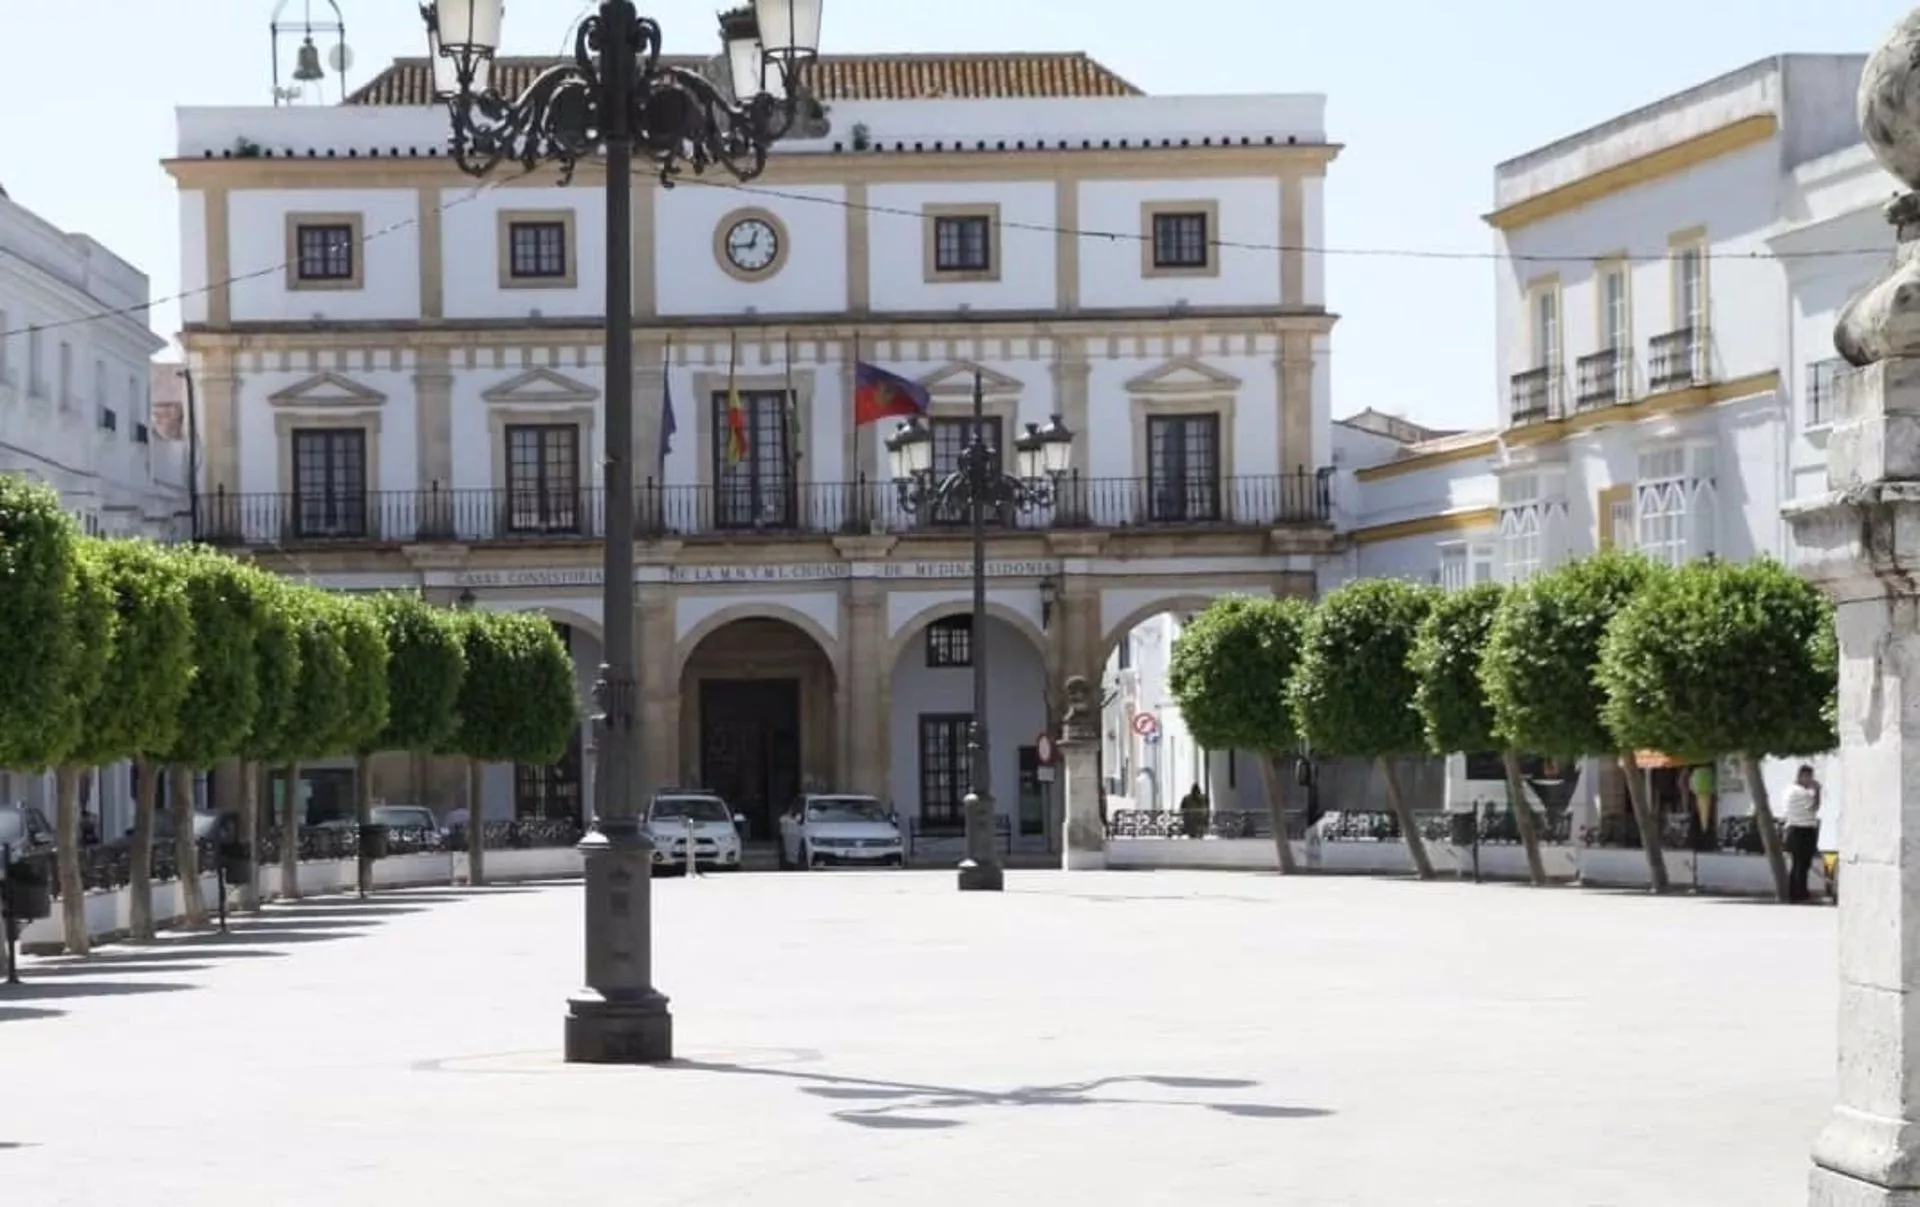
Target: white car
(675, 818)
(849, 831)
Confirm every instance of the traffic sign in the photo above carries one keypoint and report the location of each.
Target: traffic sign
(1145, 724)
(1043, 749)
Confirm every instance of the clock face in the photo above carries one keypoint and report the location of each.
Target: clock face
(753, 245)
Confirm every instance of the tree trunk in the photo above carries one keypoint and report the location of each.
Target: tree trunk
(1409, 828)
(363, 816)
(1523, 820)
(186, 852)
(476, 825)
(1277, 813)
(73, 892)
(248, 898)
(1649, 825)
(290, 833)
(140, 863)
(1769, 832)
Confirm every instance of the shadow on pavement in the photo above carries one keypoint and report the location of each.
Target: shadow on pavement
(913, 1106)
(31, 989)
(86, 967)
(22, 1013)
(159, 954)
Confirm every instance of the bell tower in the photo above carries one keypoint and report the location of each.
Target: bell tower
(307, 49)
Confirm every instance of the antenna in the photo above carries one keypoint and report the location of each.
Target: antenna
(307, 80)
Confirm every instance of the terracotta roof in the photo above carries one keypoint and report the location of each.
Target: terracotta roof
(879, 77)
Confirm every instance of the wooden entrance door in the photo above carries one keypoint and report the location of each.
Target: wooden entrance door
(750, 747)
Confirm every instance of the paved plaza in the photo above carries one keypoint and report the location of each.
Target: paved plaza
(876, 1038)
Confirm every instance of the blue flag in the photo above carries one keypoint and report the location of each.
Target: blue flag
(668, 425)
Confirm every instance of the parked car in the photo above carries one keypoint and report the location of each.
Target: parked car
(411, 828)
(835, 829)
(207, 827)
(24, 830)
(675, 817)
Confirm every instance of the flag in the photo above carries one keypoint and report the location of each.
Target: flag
(792, 404)
(736, 411)
(878, 394)
(668, 424)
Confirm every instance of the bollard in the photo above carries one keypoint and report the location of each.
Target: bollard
(693, 861)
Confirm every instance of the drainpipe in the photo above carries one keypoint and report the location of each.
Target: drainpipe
(193, 456)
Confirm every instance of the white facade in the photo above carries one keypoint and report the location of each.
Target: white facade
(76, 413)
(423, 403)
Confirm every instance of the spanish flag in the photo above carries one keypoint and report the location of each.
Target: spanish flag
(737, 438)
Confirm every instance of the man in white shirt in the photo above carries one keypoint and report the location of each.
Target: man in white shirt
(1803, 831)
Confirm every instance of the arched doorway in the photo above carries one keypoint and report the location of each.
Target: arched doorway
(758, 717)
(931, 697)
(1148, 759)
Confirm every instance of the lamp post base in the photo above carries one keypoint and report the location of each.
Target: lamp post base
(618, 1033)
(976, 877)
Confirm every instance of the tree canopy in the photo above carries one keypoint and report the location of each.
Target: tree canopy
(322, 693)
(274, 655)
(91, 608)
(426, 661)
(1543, 651)
(1719, 658)
(1229, 672)
(363, 640)
(38, 552)
(1353, 689)
(1448, 697)
(518, 702)
(150, 667)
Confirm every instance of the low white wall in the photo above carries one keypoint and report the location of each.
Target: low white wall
(109, 912)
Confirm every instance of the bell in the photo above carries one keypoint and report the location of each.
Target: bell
(308, 68)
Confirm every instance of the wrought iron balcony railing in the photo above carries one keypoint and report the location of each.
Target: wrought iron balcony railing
(1534, 396)
(1600, 380)
(727, 511)
(1677, 359)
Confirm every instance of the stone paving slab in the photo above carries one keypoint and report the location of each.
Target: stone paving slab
(876, 1038)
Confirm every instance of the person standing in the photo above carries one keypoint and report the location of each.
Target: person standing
(1803, 831)
(1194, 811)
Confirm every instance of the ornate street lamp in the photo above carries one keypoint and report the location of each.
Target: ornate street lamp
(979, 486)
(616, 99)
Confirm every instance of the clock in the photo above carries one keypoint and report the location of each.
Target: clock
(753, 246)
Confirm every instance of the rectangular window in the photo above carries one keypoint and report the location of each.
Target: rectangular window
(1183, 468)
(6, 341)
(950, 642)
(1180, 240)
(36, 362)
(963, 243)
(943, 771)
(543, 478)
(1660, 506)
(1690, 288)
(66, 374)
(329, 482)
(537, 250)
(753, 470)
(1546, 328)
(324, 252)
(1522, 548)
(950, 438)
(1615, 333)
(1823, 381)
(1455, 572)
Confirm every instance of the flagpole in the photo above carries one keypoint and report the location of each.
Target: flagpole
(861, 518)
(790, 411)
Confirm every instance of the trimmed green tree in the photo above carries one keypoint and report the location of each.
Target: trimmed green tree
(518, 704)
(1540, 673)
(38, 544)
(1722, 659)
(1229, 671)
(275, 658)
(223, 701)
(363, 638)
(136, 710)
(1453, 705)
(322, 699)
(92, 607)
(1352, 692)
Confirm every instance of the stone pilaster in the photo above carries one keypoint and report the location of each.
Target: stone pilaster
(1072, 381)
(1861, 544)
(649, 430)
(1293, 371)
(659, 677)
(1083, 844)
(433, 438)
(864, 719)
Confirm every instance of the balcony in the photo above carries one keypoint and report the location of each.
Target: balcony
(1600, 380)
(1677, 359)
(1534, 396)
(269, 521)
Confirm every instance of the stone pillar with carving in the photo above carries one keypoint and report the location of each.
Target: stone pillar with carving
(1084, 845)
(1861, 543)
(659, 688)
(865, 724)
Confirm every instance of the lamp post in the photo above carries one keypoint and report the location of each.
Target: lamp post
(617, 99)
(979, 485)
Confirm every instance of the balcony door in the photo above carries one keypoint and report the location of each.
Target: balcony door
(543, 478)
(329, 482)
(951, 437)
(753, 471)
(1183, 468)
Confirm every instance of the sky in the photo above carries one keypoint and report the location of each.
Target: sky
(1427, 98)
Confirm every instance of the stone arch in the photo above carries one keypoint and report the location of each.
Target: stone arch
(1184, 601)
(755, 610)
(897, 643)
(579, 621)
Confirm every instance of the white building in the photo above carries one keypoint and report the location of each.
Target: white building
(1667, 288)
(413, 398)
(76, 411)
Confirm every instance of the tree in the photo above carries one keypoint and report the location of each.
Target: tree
(37, 568)
(1352, 693)
(320, 716)
(1452, 704)
(1722, 659)
(1539, 672)
(223, 700)
(274, 655)
(518, 704)
(91, 606)
(426, 661)
(136, 710)
(362, 635)
(1229, 672)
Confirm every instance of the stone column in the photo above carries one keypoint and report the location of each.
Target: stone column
(659, 688)
(433, 441)
(1861, 544)
(1084, 844)
(1072, 382)
(864, 723)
